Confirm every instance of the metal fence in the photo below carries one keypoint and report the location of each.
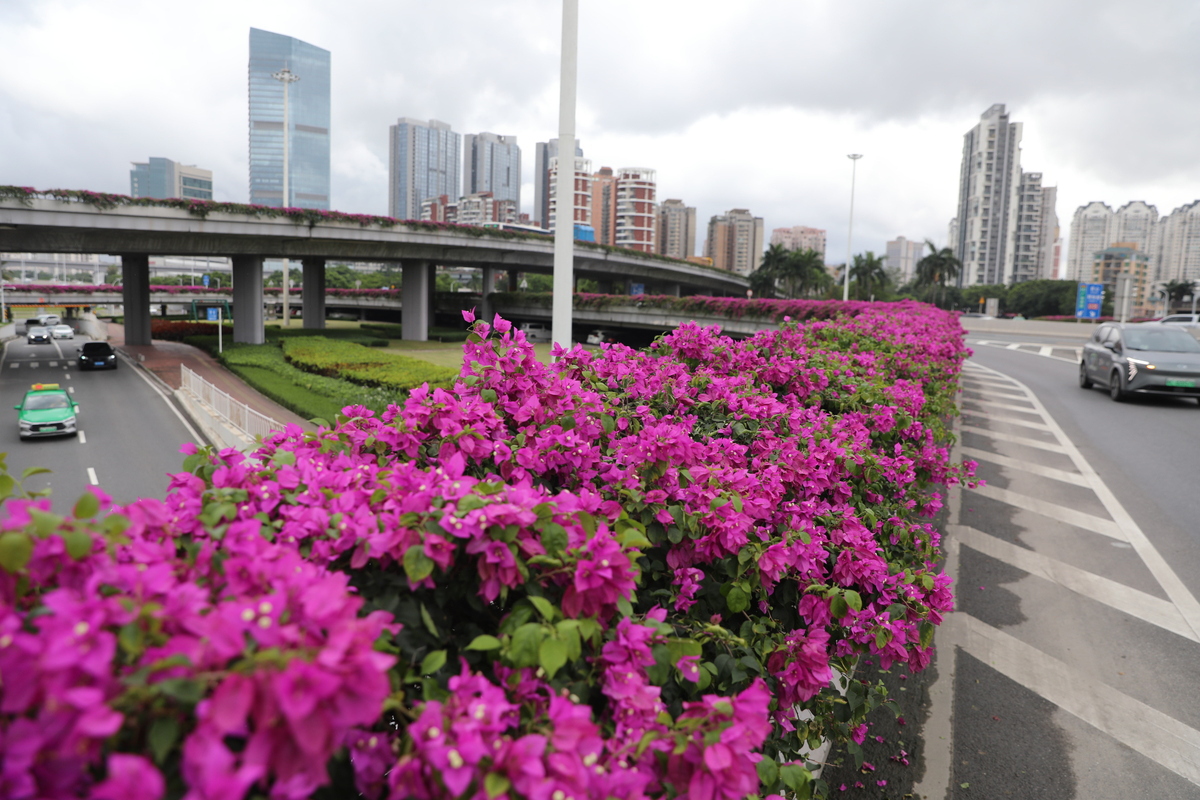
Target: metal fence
(236, 413)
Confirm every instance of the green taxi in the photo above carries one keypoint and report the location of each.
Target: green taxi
(46, 410)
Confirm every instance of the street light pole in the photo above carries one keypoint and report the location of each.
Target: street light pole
(564, 230)
(287, 78)
(854, 157)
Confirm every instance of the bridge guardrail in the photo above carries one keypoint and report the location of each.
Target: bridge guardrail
(235, 412)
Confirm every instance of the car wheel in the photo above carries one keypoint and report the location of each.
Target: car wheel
(1084, 381)
(1115, 390)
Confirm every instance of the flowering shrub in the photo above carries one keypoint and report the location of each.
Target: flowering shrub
(632, 574)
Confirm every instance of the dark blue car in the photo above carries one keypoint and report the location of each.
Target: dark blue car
(97, 355)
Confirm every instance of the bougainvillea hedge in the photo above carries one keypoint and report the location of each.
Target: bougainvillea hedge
(632, 574)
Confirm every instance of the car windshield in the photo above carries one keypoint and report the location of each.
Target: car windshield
(97, 349)
(41, 402)
(1166, 340)
(37, 330)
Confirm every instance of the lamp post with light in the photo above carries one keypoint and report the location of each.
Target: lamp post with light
(287, 78)
(854, 157)
(564, 228)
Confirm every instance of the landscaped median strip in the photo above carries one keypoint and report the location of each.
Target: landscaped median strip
(630, 574)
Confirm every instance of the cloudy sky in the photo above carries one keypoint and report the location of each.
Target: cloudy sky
(752, 104)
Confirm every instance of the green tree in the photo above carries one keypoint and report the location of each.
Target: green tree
(934, 271)
(1178, 290)
(972, 295)
(765, 280)
(869, 276)
(805, 274)
(1042, 298)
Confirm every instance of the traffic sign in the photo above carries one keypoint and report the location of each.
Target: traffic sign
(213, 312)
(205, 279)
(1089, 300)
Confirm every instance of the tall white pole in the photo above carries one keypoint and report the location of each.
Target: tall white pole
(287, 78)
(564, 186)
(854, 157)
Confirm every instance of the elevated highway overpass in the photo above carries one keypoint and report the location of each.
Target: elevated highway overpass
(40, 224)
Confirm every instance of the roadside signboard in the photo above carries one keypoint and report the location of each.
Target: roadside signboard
(205, 280)
(1089, 300)
(212, 312)
(637, 288)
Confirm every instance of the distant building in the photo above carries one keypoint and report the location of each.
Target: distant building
(582, 194)
(423, 162)
(543, 154)
(308, 118)
(799, 237)
(676, 229)
(1136, 222)
(1037, 230)
(735, 241)
(988, 197)
(1091, 232)
(604, 205)
(1179, 244)
(481, 207)
(439, 209)
(163, 178)
(637, 209)
(492, 163)
(1124, 258)
(903, 254)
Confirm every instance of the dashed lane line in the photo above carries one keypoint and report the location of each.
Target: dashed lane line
(92, 476)
(1008, 437)
(1104, 527)
(1024, 423)
(1006, 406)
(1125, 599)
(82, 438)
(1025, 466)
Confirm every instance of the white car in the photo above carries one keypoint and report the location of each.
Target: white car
(62, 332)
(49, 320)
(536, 331)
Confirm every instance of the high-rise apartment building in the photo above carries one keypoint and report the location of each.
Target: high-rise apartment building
(1179, 244)
(1091, 231)
(492, 163)
(735, 241)
(903, 254)
(543, 154)
(799, 237)
(308, 122)
(637, 209)
(163, 178)
(604, 205)
(676, 229)
(1037, 230)
(423, 162)
(988, 197)
(482, 207)
(1136, 222)
(582, 194)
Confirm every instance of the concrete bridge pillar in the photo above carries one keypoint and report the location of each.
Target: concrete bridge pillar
(312, 296)
(415, 301)
(135, 293)
(673, 289)
(486, 310)
(248, 300)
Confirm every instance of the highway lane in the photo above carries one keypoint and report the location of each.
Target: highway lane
(1066, 667)
(129, 434)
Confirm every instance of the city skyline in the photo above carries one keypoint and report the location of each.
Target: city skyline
(903, 110)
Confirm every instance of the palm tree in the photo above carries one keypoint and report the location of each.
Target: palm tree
(1177, 290)
(937, 268)
(764, 281)
(868, 275)
(804, 272)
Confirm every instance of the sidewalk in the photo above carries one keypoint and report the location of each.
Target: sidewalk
(163, 359)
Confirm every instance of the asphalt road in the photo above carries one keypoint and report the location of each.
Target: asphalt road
(1068, 667)
(129, 434)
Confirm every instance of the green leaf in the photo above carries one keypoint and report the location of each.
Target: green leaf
(417, 565)
(838, 607)
(182, 689)
(608, 422)
(568, 631)
(484, 643)
(16, 549)
(433, 662)
(428, 621)
(544, 607)
(31, 471)
(523, 645)
(768, 771)
(7, 485)
(678, 648)
(44, 524)
(737, 600)
(853, 599)
(79, 544)
(554, 538)
(487, 395)
(496, 784)
(794, 776)
(162, 737)
(926, 629)
(552, 655)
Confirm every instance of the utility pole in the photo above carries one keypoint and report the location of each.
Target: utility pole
(564, 186)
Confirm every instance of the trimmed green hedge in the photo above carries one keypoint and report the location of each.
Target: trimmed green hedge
(360, 365)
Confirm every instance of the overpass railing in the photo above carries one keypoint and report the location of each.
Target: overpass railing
(234, 412)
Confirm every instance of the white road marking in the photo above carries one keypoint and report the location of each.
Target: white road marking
(1125, 599)
(1025, 466)
(1161, 738)
(1022, 422)
(54, 363)
(34, 364)
(68, 374)
(92, 476)
(992, 390)
(71, 389)
(1008, 437)
(1007, 406)
(1045, 350)
(82, 438)
(13, 365)
(1037, 349)
(1104, 527)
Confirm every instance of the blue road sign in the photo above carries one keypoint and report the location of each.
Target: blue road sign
(637, 288)
(1089, 300)
(205, 281)
(213, 312)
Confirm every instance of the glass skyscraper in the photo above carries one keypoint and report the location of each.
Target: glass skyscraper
(423, 163)
(492, 163)
(163, 178)
(308, 112)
